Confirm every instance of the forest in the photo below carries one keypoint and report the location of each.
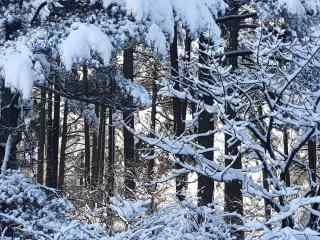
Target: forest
(159, 119)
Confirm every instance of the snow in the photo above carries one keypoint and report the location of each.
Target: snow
(129, 209)
(17, 69)
(291, 234)
(82, 42)
(157, 40)
(32, 211)
(312, 7)
(45, 12)
(197, 15)
(179, 221)
(139, 94)
(293, 7)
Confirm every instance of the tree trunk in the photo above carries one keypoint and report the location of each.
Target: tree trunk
(53, 138)
(56, 132)
(286, 152)
(286, 176)
(50, 168)
(179, 124)
(205, 124)
(87, 154)
(8, 123)
(111, 155)
(64, 140)
(95, 155)
(233, 193)
(102, 142)
(153, 120)
(42, 136)
(128, 117)
(315, 189)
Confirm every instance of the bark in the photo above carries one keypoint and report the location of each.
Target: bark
(205, 124)
(267, 204)
(232, 193)
(153, 121)
(102, 142)
(128, 138)
(111, 155)
(53, 138)
(312, 157)
(42, 137)
(64, 140)
(87, 154)
(50, 169)
(7, 153)
(179, 124)
(95, 155)
(315, 189)
(286, 152)
(9, 118)
(56, 133)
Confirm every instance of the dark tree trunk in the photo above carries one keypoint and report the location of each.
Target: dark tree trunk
(205, 124)
(95, 155)
(312, 157)
(102, 142)
(286, 152)
(286, 176)
(42, 136)
(128, 117)
(8, 123)
(87, 153)
(56, 133)
(111, 155)
(233, 194)
(267, 205)
(53, 138)
(64, 140)
(50, 168)
(179, 124)
(153, 121)
(314, 221)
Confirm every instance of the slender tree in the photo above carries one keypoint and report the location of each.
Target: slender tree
(205, 124)
(179, 124)
(87, 142)
(42, 136)
(128, 117)
(64, 141)
(9, 118)
(233, 198)
(50, 162)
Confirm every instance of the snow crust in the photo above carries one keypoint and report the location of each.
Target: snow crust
(17, 69)
(157, 40)
(293, 7)
(83, 41)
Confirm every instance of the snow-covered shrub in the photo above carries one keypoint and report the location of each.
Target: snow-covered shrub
(179, 222)
(129, 210)
(31, 211)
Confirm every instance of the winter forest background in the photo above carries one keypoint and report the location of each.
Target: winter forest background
(159, 119)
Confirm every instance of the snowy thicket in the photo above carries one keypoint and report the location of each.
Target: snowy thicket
(31, 211)
(297, 13)
(183, 222)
